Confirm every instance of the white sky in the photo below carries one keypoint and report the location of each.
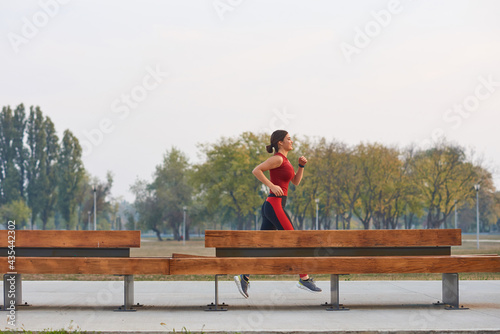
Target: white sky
(243, 66)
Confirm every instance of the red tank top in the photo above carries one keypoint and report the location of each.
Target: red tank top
(282, 175)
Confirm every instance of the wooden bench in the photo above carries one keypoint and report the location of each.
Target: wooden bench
(74, 252)
(338, 252)
(249, 252)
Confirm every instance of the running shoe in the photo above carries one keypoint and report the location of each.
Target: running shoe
(308, 285)
(242, 285)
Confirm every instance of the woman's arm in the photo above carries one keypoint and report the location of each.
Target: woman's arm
(300, 172)
(271, 163)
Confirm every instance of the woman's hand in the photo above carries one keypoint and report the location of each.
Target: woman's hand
(298, 176)
(277, 190)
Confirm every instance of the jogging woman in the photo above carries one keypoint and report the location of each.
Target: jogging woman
(274, 217)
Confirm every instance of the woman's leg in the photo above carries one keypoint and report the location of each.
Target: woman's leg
(275, 215)
(267, 224)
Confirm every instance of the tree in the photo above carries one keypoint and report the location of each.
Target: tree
(172, 189)
(388, 200)
(325, 167)
(127, 214)
(17, 211)
(341, 181)
(49, 198)
(368, 156)
(225, 179)
(28, 152)
(37, 158)
(70, 176)
(12, 154)
(114, 217)
(130, 221)
(147, 207)
(413, 202)
(489, 209)
(496, 211)
(444, 176)
(21, 153)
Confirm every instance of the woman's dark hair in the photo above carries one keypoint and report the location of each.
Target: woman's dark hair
(277, 136)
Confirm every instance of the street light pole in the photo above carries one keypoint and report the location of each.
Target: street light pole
(95, 208)
(456, 214)
(184, 227)
(317, 209)
(477, 187)
(88, 224)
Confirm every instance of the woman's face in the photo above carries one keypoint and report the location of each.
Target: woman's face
(287, 143)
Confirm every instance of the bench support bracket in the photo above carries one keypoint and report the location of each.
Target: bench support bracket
(128, 295)
(216, 306)
(334, 295)
(450, 292)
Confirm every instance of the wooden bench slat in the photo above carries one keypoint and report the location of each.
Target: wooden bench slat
(335, 265)
(72, 239)
(99, 266)
(333, 238)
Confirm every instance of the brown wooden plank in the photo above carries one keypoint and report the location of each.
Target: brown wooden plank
(72, 239)
(336, 265)
(337, 238)
(82, 265)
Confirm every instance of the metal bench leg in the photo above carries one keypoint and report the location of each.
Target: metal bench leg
(128, 295)
(216, 306)
(450, 292)
(12, 292)
(334, 295)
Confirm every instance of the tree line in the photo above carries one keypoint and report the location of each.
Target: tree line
(44, 185)
(368, 185)
(43, 182)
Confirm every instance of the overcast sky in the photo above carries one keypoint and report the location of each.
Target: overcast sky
(131, 79)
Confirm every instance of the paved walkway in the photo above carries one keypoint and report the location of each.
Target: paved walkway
(273, 307)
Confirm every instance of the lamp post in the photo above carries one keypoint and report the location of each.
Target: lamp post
(95, 208)
(184, 226)
(317, 209)
(88, 224)
(477, 187)
(456, 214)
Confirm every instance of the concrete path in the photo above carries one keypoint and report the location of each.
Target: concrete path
(273, 307)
